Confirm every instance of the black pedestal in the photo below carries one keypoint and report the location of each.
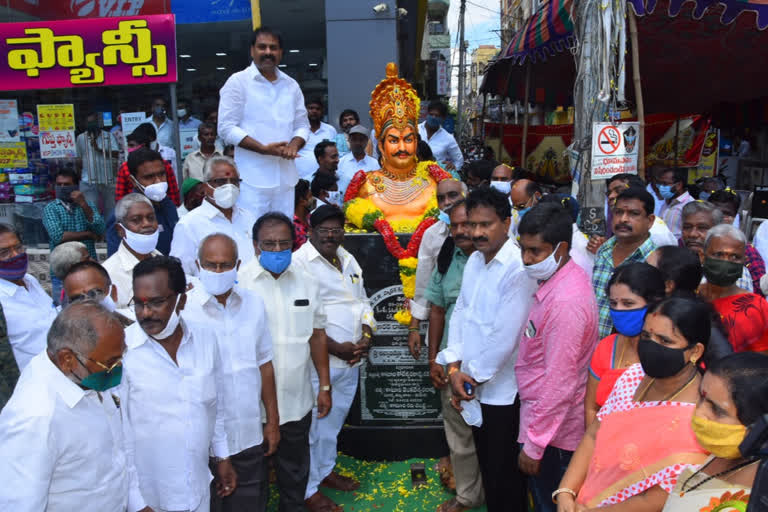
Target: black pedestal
(396, 413)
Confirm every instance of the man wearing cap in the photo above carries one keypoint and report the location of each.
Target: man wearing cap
(349, 328)
(356, 159)
(195, 161)
(192, 194)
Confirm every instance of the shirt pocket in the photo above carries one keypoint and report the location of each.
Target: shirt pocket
(301, 321)
(200, 388)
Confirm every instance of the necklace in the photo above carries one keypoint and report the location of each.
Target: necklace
(397, 192)
(671, 397)
(734, 469)
(623, 349)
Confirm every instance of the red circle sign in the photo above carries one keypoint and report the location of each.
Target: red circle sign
(609, 140)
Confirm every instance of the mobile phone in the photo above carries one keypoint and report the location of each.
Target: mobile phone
(468, 388)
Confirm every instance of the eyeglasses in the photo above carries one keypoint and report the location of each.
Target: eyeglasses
(9, 252)
(329, 231)
(218, 182)
(89, 295)
(275, 245)
(152, 304)
(108, 369)
(217, 267)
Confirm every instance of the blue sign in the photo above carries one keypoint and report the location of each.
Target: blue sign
(204, 11)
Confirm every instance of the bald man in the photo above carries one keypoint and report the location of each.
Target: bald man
(524, 195)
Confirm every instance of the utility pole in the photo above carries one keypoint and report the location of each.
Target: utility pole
(462, 73)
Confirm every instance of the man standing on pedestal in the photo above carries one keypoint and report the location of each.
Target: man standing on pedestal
(349, 328)
(262, 113)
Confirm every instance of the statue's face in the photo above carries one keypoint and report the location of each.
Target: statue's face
(398, 149)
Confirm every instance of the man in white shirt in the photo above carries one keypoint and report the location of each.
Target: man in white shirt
(158, 116)
(172, 396)
(297, 323)
(262, 114)
(28, 310)
(218, 213)
(195, 161)
(61, 441)
(672, 188)
(448, 192)
(356, 160)
(488, 320)
(137, 227)
(245, 346)
(318, 132)
(443, 145)
(349, 327)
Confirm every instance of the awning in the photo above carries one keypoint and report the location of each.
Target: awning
(731, 9)
(547, 32)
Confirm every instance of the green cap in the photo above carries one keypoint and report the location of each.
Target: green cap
(188, 185)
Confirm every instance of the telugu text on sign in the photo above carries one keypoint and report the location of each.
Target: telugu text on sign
(13, 155)
(614, 149)
(57, 130)
(88, 52)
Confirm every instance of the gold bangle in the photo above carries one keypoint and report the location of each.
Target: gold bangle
(452, 370)
(561, 491)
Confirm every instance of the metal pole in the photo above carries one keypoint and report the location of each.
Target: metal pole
(523, 152)
(176, 137)
(638, 94)
(462, 72)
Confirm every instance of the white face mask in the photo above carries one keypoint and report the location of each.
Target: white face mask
(142, 244)
(505, 187)
(172, 324)
(543, 270)
(226, 196)
(335, 197)
(154, 145)
(217, 283)
(107, 301)
(182, 112)
(155, 192)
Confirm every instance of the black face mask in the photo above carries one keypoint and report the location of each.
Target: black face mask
(64, 192)
(722, 272)
(658, 361)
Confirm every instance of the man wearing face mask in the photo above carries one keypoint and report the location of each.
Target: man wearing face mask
(138, 229)
(349, 327)
(159, 119)
(555, 351)
(239, 318)
(61, 443)
(218, 213)
(297, 323)
(144, 137)
(173, 396)
(184, 116)
(71, 218)
(28, 310)
(501, 178)
(325, 188)
(524, 195)
(88, 280)
(442, 143)
(148, 174)
(671, 185)
(448, 193)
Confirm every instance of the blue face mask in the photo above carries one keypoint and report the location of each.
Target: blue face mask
(444, 217)
(666, 191)
(629, 322)
(433, 122)
(704, 196)
(521, 213)
(275, 262)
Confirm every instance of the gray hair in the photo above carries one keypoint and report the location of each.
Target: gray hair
(700, 206)
(217, 235)
(124, 205)
(214, 161)
(64, 256)
(725, 230)
(7, 228)
(74, 327)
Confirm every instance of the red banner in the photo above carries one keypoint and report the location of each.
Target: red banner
(72, 9)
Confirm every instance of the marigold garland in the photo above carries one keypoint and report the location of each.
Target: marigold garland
(364, 215)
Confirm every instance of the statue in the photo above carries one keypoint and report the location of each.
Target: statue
(400, 197)
(402, 192)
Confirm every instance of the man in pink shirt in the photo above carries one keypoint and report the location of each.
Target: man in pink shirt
(557, 344)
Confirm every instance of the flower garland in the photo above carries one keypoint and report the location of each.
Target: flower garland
(365, 216)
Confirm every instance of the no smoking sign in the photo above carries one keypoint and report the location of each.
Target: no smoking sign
(609, 140)
(614, 149)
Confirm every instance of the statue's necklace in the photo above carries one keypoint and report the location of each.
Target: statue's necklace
(395, 191)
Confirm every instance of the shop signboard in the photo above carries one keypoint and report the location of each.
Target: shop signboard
(205, 11)
(88, 52)
(13, 155)
(442, 78)
(68, 9)
(57, 130)
(614, 149)
(9, 121)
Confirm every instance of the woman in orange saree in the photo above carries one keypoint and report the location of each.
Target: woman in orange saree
(631, 457)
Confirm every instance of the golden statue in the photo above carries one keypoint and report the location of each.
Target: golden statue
(403, 190)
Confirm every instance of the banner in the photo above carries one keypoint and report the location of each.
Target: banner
(88, 52)
(13, 155)
(9, 121)
(614, 149)
(57, 131)
(69, 9)
(204, 11)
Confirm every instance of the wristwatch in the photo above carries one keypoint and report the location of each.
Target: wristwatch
(325, 388)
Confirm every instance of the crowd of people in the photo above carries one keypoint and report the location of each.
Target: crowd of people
(224, 334)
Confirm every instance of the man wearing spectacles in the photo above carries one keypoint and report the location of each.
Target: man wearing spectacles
(87, 280)
(173, 396)
(349, 327)
(297, 322)
(61, 441)
(218, 213)
(239, 318)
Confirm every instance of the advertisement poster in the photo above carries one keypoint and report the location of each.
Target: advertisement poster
(13, 155)
(9, 121)
(188, 145)
(57, 130)
(614, 149)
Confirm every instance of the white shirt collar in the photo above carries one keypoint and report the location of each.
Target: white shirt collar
(9, 289)
(207, 209)
(69, 392)
(258, 76)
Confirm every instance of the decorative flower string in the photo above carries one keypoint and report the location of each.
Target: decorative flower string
(365, 216)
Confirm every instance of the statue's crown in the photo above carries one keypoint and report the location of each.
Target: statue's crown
(394, 103)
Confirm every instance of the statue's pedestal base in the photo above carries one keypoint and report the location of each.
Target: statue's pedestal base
(396, 412)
